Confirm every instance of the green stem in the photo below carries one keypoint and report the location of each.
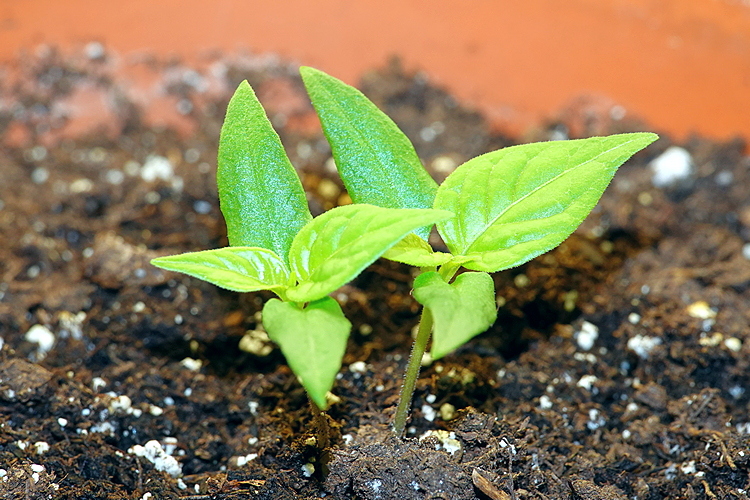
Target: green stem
(447, 271)
(412, 372)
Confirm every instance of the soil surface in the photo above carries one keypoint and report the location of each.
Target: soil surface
(618, 367)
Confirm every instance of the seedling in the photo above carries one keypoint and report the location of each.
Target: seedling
(510, 206)
(276, 245)
(494, 212)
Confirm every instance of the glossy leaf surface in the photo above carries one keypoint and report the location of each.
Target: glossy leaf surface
(376, 161)
(337, 245)
(241, 269)
(261, 196)
(519, 202)
(313, 341)
(460, 310)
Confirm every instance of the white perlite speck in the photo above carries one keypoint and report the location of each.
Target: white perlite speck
(587, 335)
(358, 367)
(243, 460)
(595, 420)
(41, 447)
(154, 453)
(642, 345)
(446, 440)
(428, 412)
(156, 167)
(98, 383)
(672, 166)
(43, 337)
(587, 382)
(308, 470)
(545, 403)
(191, 364)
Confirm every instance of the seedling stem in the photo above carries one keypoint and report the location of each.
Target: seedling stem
(415, 359)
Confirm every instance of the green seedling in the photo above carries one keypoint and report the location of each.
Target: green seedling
(494, 212)
(510, 206)
(276, 245)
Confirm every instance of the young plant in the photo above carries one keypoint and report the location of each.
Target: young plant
(276, 245)
(510, 206)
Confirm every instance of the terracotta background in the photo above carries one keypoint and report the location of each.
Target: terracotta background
(682, 65)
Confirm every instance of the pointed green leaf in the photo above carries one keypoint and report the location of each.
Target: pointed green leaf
(261, 196)
(241, 269)
(416, 252)
(519, 202)
(312, 339)
(460, 310)
(376, 161)
(336, 246)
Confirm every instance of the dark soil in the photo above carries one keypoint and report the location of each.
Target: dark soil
(134, 354)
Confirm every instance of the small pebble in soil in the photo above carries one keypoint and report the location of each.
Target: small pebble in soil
(43, 337)
(444, 164)
(358, 367)
(587, 382)
(81, 185)
(545, 403)
(244, 460)
(587, 335)
(365, 330)
(447, 412)
(253, 407)
(733, 344)
(701, 310)
(154, 453)
(308, 470)
(595, 420)
(256, 342)
(642, 345)
(202, 207)
(634, 318)
(724, 178)
(192, 364)
(41, 447)
(442, 440)
(428, 412)
(98, 383)
(121, 403)
(156, 167)
(673, 166)
(39, 175)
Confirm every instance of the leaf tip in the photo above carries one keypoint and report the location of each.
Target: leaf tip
(308, 72)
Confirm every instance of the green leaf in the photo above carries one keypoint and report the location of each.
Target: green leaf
(415, 251)
(241, 269)
(519, 202)
(460, 310)
(376, 161)
(312, 339)
(337, 245)
(261, 196)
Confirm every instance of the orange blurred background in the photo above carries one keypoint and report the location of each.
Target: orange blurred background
(681, 65)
